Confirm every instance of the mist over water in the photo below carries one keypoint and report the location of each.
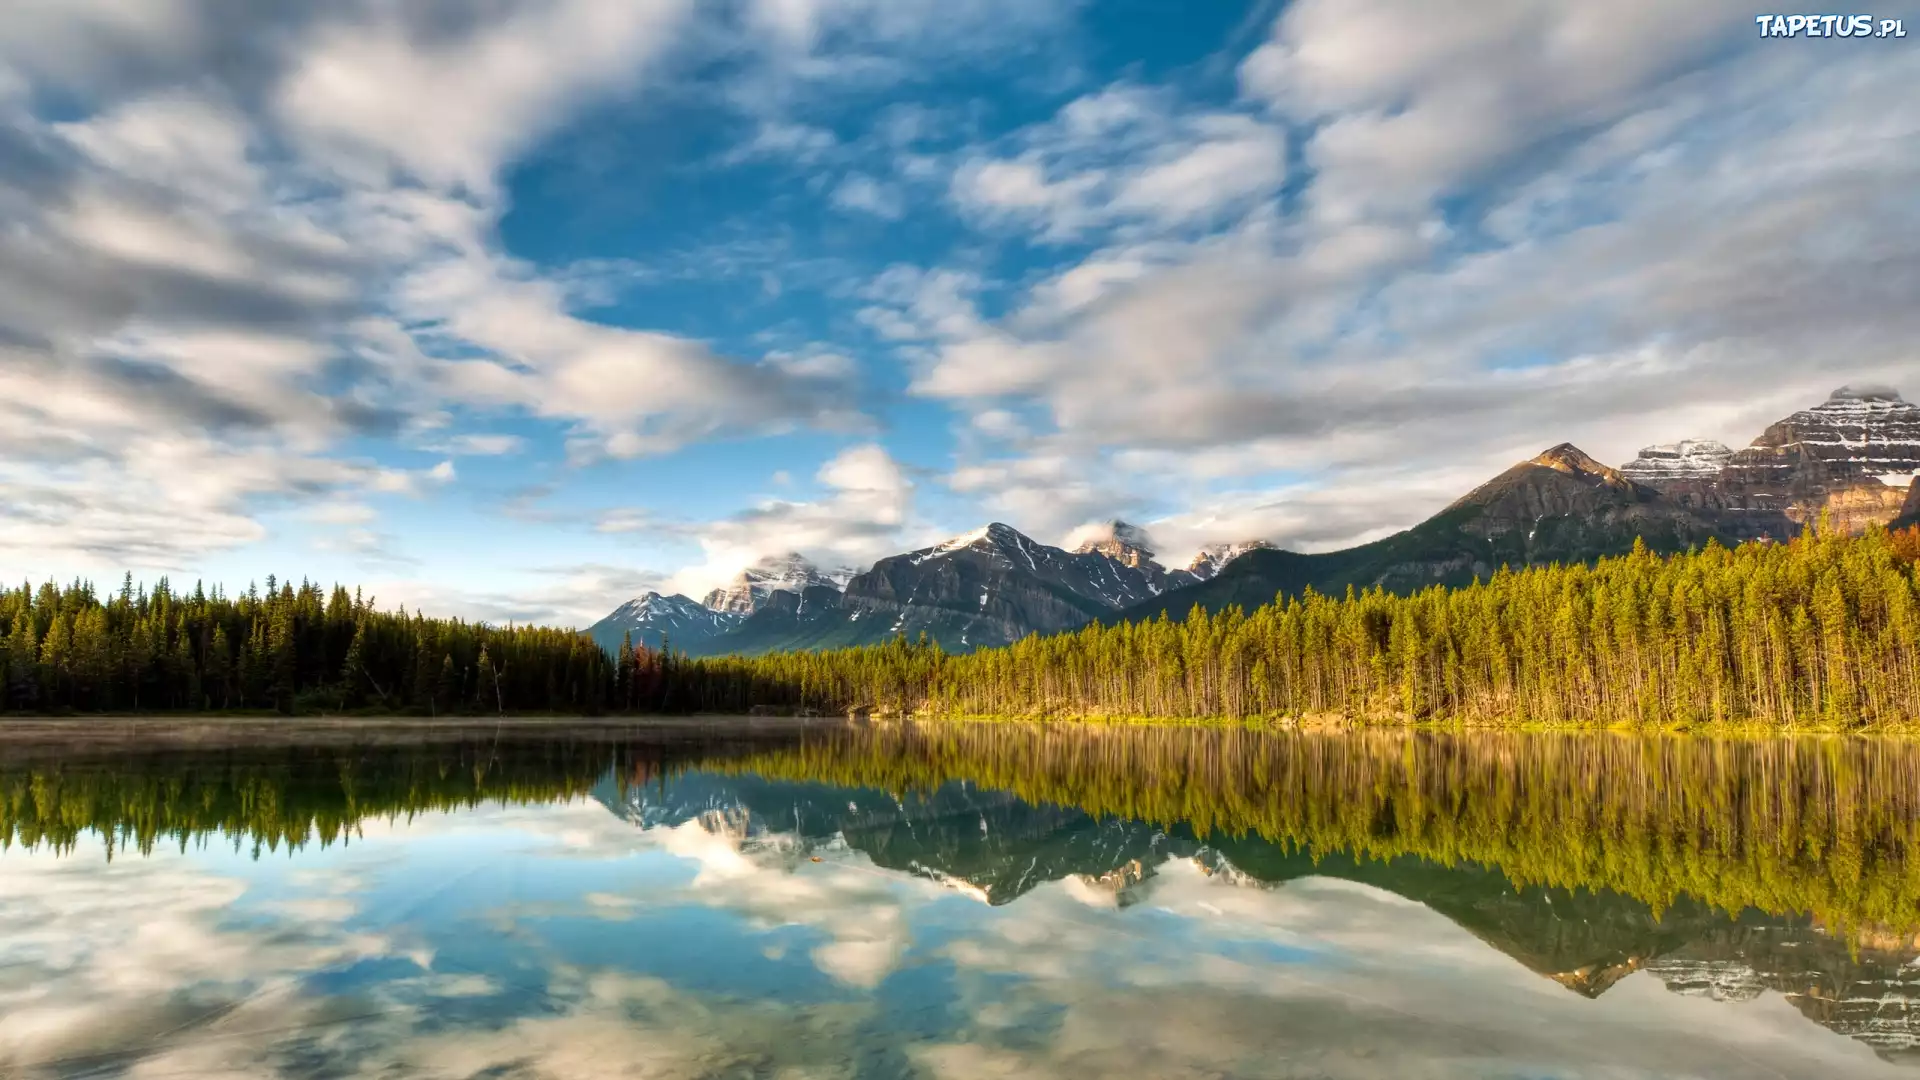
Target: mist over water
(735, 899)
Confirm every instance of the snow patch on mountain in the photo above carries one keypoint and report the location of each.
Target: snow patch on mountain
(1688, 459)
(651, 616)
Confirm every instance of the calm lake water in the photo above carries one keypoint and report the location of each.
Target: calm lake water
(947, 901)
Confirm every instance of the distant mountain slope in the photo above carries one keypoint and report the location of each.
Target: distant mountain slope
(988, 587)
(1562, 506)
(651, 617)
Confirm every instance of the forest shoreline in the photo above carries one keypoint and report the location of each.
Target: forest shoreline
(1818, 634)
(269, 727)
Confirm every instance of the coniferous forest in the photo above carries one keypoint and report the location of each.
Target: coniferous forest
(1820, 632)
(1823, 631)
(287, 649)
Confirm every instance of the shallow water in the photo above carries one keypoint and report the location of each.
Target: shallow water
(756, 900)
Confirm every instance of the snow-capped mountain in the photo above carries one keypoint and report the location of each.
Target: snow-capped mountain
(1853, 457)
(1119, 541)
(790, 572)
(990, 586)
(998, 554)
(1213, 558)
(650, 617)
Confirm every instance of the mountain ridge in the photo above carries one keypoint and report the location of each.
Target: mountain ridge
(994, 585)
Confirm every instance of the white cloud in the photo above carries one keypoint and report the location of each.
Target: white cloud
(801, 143)
(576, 595)
(862, 193)
(277, 230)
(1618, 246)
(121, 958)
(865, 514)
(482, 445)
(1123, 158)
(449, 106)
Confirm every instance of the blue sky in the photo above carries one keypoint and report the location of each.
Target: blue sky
(516, 309)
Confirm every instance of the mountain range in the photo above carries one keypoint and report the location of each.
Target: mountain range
(1854, 458)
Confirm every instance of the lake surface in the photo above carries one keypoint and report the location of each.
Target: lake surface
(753, 899)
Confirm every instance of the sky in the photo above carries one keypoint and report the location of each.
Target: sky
(513, 309)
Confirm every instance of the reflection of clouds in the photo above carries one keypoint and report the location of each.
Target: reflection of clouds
(859, 908)
(618, 1026)
(764, 879)
(99, 958)
(1200, 977)
(1323, 978)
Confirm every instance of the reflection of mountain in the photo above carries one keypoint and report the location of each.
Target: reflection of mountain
(1504, 836)
(986, 843)
(997, 848)
(1870, 993)
(1584, 858)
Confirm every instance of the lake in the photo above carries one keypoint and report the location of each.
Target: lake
(760, 898)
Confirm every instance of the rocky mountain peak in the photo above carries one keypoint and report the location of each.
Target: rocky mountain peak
(995, 536)
(1213, 558)
(790, 571)
(1855, 422)
(652, 617)
(1865, 392)
(1126, 544)
(1852, 458)
(1570, 459)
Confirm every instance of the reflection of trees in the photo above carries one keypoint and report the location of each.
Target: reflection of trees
(290, 795)
(1823, 826)
(1827, 826)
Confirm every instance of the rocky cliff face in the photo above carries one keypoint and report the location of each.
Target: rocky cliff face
(1131, 547)
(651, 617)
(790, 572)
(1565, 506)
(1660, 467)
(1688, 472)
(1852, 457)
(1910, 510)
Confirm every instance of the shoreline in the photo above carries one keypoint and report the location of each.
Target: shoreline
(191, 729)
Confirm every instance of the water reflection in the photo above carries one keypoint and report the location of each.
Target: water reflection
(976, 900)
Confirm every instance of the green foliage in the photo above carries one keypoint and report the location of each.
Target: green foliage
(287, 650)
(1823, 631)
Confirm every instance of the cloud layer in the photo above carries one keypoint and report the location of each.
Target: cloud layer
(286, 281)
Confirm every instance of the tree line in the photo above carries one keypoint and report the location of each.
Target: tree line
(1822, 631)
(292, 649)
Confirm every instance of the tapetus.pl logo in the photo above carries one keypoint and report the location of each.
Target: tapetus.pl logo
(1828, 26)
